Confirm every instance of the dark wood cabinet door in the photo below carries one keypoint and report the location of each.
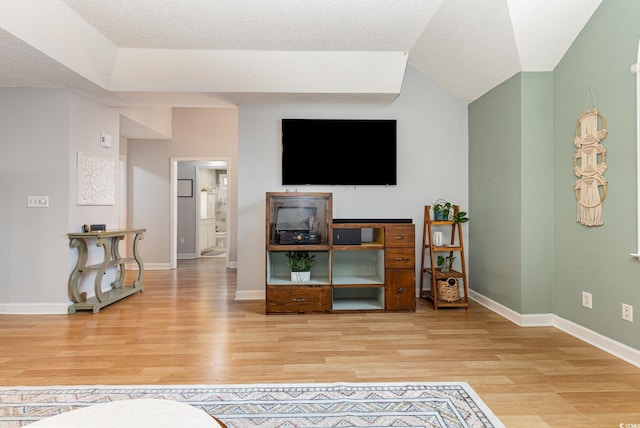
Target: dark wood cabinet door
(400, 290)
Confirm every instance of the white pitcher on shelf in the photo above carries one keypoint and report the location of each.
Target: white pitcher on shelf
(438, 239)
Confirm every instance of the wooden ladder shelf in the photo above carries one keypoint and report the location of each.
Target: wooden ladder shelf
(446, 289)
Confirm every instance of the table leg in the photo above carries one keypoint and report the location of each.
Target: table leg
(74, 294)
(106, 262)
(115, 256)
(136, 255)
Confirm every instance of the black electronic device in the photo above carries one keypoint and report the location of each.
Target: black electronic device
(339, 152)
(94, 228)
(293, 237)
(296, 225)
(347, 236)
(372, 220)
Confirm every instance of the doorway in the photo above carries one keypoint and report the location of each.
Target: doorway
(185, 224)
(211, 221)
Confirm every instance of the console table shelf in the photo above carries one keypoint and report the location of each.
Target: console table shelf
(110, 242)
(111, 264)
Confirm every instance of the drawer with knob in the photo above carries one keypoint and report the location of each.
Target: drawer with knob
(400, 236)
(400, 258)
(298, 298)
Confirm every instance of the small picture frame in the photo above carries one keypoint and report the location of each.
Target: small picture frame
(185, 188)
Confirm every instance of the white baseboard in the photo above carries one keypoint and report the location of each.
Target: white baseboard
(250, 295)
(34, 308)
(615, 348)
(156, 266)
(534, 320)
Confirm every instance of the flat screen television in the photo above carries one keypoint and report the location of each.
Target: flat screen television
(338, 152)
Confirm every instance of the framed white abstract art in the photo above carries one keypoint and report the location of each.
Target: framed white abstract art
(96, 180)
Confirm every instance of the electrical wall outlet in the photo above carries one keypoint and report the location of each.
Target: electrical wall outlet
(586, 300)
(627, 312)
(181, 240)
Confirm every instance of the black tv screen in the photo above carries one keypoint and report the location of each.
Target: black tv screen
(338, 152)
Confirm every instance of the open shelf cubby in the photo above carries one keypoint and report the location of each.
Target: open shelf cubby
(358, 267)
(278, 272)
(358, 298)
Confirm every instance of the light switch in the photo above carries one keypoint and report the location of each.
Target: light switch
(38, 201)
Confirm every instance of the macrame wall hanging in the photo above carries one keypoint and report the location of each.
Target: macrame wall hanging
(589, 165)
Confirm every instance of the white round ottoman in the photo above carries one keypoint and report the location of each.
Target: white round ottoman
(136, 413)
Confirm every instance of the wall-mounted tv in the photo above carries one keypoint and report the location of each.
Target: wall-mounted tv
(338, 152)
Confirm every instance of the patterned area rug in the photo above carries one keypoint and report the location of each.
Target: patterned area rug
(410, 404)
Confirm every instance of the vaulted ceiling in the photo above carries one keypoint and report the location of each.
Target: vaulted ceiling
(219, 53)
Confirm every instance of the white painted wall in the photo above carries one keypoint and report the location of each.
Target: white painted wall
(432, 163)
(33, 256)
(86, 121)
(198, 133)
(41, 131)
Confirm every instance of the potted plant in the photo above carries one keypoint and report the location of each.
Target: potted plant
(300, 263)
(443, 211)
(444, 263)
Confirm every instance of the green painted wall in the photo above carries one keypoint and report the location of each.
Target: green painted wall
(537, 258)
(536, 192)
(596, 259)
(494, 194)
(510, 193)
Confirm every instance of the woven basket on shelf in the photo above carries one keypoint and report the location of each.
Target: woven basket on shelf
(448, 289)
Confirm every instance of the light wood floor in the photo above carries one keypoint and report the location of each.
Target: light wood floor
(185, 328)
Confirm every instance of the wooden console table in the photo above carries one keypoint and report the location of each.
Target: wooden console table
(109, 241)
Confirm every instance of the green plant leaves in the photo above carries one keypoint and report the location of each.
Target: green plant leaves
(300, 261)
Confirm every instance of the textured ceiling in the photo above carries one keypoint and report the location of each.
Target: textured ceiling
(225, 52)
